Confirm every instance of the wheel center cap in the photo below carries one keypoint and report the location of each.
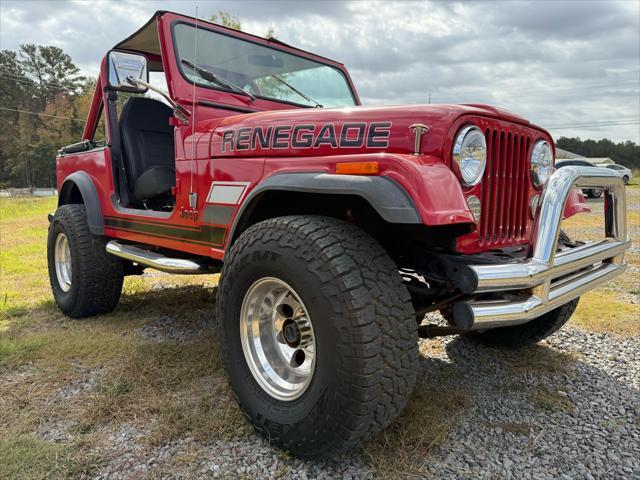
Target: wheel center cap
(291, 333)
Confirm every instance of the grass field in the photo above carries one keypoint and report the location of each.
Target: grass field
(67, 385)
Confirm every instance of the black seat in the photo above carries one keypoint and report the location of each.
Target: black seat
(147, 144)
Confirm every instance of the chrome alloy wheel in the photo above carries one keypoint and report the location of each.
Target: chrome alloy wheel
(277, 338)
(62, 258)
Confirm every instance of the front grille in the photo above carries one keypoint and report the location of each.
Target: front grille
(505, 188)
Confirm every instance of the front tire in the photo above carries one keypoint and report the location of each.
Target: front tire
(356, 316)
(85, 279)
(626, 179)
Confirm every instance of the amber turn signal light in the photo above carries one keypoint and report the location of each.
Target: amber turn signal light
(358, 168)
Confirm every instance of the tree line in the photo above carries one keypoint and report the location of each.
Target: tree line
(625, 153)
(44, 103)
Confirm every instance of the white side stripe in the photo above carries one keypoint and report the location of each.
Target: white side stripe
(228, 193)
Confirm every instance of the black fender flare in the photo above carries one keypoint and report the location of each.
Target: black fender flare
(89, 197)
(388, 198)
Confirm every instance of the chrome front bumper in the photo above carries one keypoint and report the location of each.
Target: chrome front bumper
(548, 279)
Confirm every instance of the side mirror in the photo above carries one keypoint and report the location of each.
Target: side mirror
(121, 65)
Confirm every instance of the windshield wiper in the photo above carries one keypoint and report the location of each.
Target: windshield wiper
(212, 77)
(287, 84)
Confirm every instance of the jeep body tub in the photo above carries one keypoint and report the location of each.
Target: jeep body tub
(239, 153)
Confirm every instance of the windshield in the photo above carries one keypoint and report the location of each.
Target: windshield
(263, 71)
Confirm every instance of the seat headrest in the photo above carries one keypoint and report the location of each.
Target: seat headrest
(147, 113)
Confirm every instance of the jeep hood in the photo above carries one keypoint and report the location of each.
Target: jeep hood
(342, 131)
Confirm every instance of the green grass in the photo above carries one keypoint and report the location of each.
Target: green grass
(26, 207)
(23, 257)
(29, 458)
(599, 312)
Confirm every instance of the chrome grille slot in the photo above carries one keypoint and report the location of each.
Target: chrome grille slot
(505, 188)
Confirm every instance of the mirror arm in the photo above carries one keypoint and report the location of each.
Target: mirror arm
(182, 113)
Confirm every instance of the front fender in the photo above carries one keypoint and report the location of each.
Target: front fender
(410, 190)
(434, 188)
(388, 199)
(383, 194)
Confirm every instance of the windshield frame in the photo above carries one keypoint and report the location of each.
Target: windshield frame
(267, 44)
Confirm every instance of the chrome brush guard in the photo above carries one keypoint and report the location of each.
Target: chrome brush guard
(547, 280)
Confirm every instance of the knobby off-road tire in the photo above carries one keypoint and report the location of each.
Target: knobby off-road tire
(95, 277)
(363, 324)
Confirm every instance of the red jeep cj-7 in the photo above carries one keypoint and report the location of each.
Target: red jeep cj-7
(335, 227)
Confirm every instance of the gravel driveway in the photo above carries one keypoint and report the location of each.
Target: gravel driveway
(583, 422)
(569, 408)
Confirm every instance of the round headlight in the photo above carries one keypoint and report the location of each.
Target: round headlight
(470, 154)
(541, 163)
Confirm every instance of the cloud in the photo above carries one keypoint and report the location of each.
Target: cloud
(556, 63)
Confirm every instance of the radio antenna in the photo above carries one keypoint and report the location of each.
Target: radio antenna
(193, 196)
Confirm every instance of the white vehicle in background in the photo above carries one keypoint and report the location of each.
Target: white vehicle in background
(578, 162)
(619, 170)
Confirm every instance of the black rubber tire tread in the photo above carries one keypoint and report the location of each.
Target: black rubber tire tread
(97, 276)
(531, 332)
(375, 352)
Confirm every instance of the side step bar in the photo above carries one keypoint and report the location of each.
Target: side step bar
(157, 260)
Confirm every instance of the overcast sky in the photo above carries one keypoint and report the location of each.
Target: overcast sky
(573, 67)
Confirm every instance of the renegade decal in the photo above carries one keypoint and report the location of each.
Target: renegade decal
(348, 130)
(285, 137)
(259, 135)
(302, 136)
(327, 135)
